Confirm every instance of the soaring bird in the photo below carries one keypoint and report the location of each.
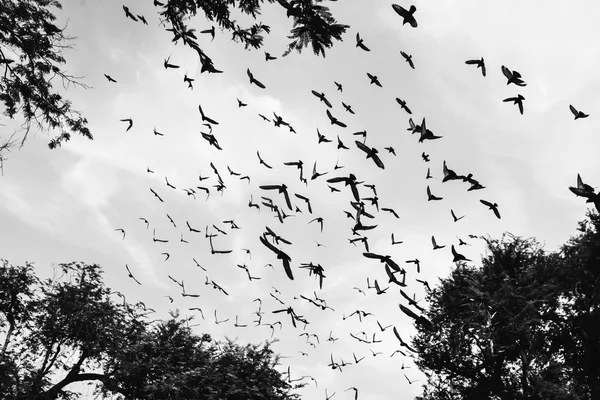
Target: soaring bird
(479, 63)
(210, 31)
(516, 100)
(282, 189)
(513, 77)
(374, 80)
(360, 43)
(205, 118)
(269, 57)
(454, 217)
(122, 231)
(128, 120)
(339, 86)
(252, 80)
(321, 96)
(407, 16)
(241, 103)
(285, 259)
(408, 59)
(582, 189)
(168, 65)
(341, 144)
(403, 105)
(131, 275)
(371, 153)
(189, 81)
(347, 108)
(493, 207)
(335, 121)
(212, 140)
(322, 138)
(458, 256)
(128, 13)
(431, 196)
(435, 245)
(449, 174)
(110, 79)
(578, 114)
(426, 134)
(141, 17)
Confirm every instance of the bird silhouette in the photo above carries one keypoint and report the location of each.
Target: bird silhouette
(371, 153)
(516, 100)
(189, 81)
(407, 15)
(282, 189)
(578, 114)
(347, 107)
(360, 43)
(168, 65)
(110, 79)
(435, 245)
(156, 195)
(479, 63)
(253, 80)
(454, 217)
(513, 77)
(408, 59)
(269, 57)
(493, 207)
(141, 17)
(128, 13)
(212, 140)
(241, 103)
(129, 121)
(431, 197)
(335, 120)
(339, 86)
(205, 118)
(457, 256)
(321, 97)
(403, 105)
(131, 275)
(374, 80)
(261, 161)
(322, 138)
(210, 31)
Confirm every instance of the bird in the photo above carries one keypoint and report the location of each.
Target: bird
(129, 121)
(408, 59)
(189, 81)
(146, 222)
(205, 118)
(339, 86)
(319, 220)
(360, 43)
(252, 80)
(210, 31)
(582, 189)
(141, 17)
(110, 79)
(128, 13)
(212, 140)
(425, 157)
(282, 189)
(241, 103)
(435, 245)
(578, 114)
(390, 150)
(516, 100)
(341, 145)
(403, 105)
(168, 65)
(335, 120)
(122, 231)
(316, 174)
(431, 197)
(285, 259)
(374, 80)
(306, 200)
(513, 77)
(479, 63)
(322, 138)
(454, 217)
(384, 259)
(157, 133)
(321, 97)
(131, 275)
(449, 174)
(396, 242)
(156, 195)
(371, 153)
(394, 213)
(269, 57)
(264, 118)
(407, 16)
(457, 256)
(493, 207)
(426, 134)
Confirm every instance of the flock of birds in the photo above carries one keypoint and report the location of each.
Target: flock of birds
(281, 202)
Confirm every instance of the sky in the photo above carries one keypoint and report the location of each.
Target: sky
(66, 204)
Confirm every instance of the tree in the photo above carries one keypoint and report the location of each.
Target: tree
(31, 55)
(524, 325)
(65, 330)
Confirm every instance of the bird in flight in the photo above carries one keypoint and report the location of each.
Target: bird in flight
(339, 86)
(129, 121)
(454, 217)
(282, 189)
(479, 63)
(285, 259)
(347, 108)
(321, 97)
(371, 153)
(205, 118)
(513, 77)
(516, 100)
(128, 13)
(403, 105)
(578, 114)
(110, 79)
(431, 197)
(374, 80)
(210, 31)
(131, 275)
(493, 207)
(168, 65)
(458, 256)
(269, 57)
(407, 16)
(335, 121)
(360, 43)
(122, 231)
(408, 59)
(252, 80)
(435, 245)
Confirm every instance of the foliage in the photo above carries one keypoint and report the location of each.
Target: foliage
(65, 330)
(524, 325)
(31, 48)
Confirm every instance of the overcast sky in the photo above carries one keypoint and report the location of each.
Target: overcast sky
(64, 205)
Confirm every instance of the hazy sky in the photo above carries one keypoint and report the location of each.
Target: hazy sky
(63, 205)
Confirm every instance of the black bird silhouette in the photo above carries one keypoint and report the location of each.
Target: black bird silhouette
(384, 259)
(347, 108)
(493, 207)
(408, 59)
(335, 120)
(157, 196)
(210, 31)
(122, 231)
(403, 105)
(167, 256)
(131, 275)
(128, 13)
(141, 17)
(241, 104)
(578, 114)
(341, 145)
(168, 184)
(516, 100)
(319, 220)
(360, 43)
(390, 150)
(429, 176)
(479, 63)
(282, 189)
(316, 174)
(321, 97)
(396, 242)
(425, 157)
(146, 222)
(264, 118)
(449, 174)
(129, 121)
(269, 57)
(306, 200)
(407, 16)
(435, 245)
(190, 228)
(394, 213)
(285, 259)
(426, 134)
(189, 81)
(513, 77)
(157, 133)
(205, 118)
(454, 217)
(339, 86)
(458, 256)
(261, 161)
(402, 342)
(416, 262)
(374, 80)
(582, 189)
(110, 79)
(349, 181)
(322, 138)
(371, 153)
(168, 65)
(211, 139)
(431, 196)
(252, 80)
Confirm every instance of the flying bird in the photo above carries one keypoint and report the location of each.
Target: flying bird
(321, 97)
(516, 100)
(479, 63)
(374, 80)
(454, 217)
(347, 108)
(205, 118)
(408, 59)
(407, 16)
(578, 114)
(431, 197)
(339, 86)
(110, 79)
(457, 256)
(128, 13)
(269, 57)
(122, 231)
(131, 275)
(493, 207)
(129, 121)
(241, 103)
(168, 65)
(371, 153)
(252, 80)
(403, 105)
(210, 31)
(360, 43)
(435, 245)
(335, 120)
(285, 259)
(513, 77)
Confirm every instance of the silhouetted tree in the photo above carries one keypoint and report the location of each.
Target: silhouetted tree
(31, 57)
(524, 325)
(68, 329)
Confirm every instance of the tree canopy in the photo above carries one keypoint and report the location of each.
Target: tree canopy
(525, 325)
(69, 329)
